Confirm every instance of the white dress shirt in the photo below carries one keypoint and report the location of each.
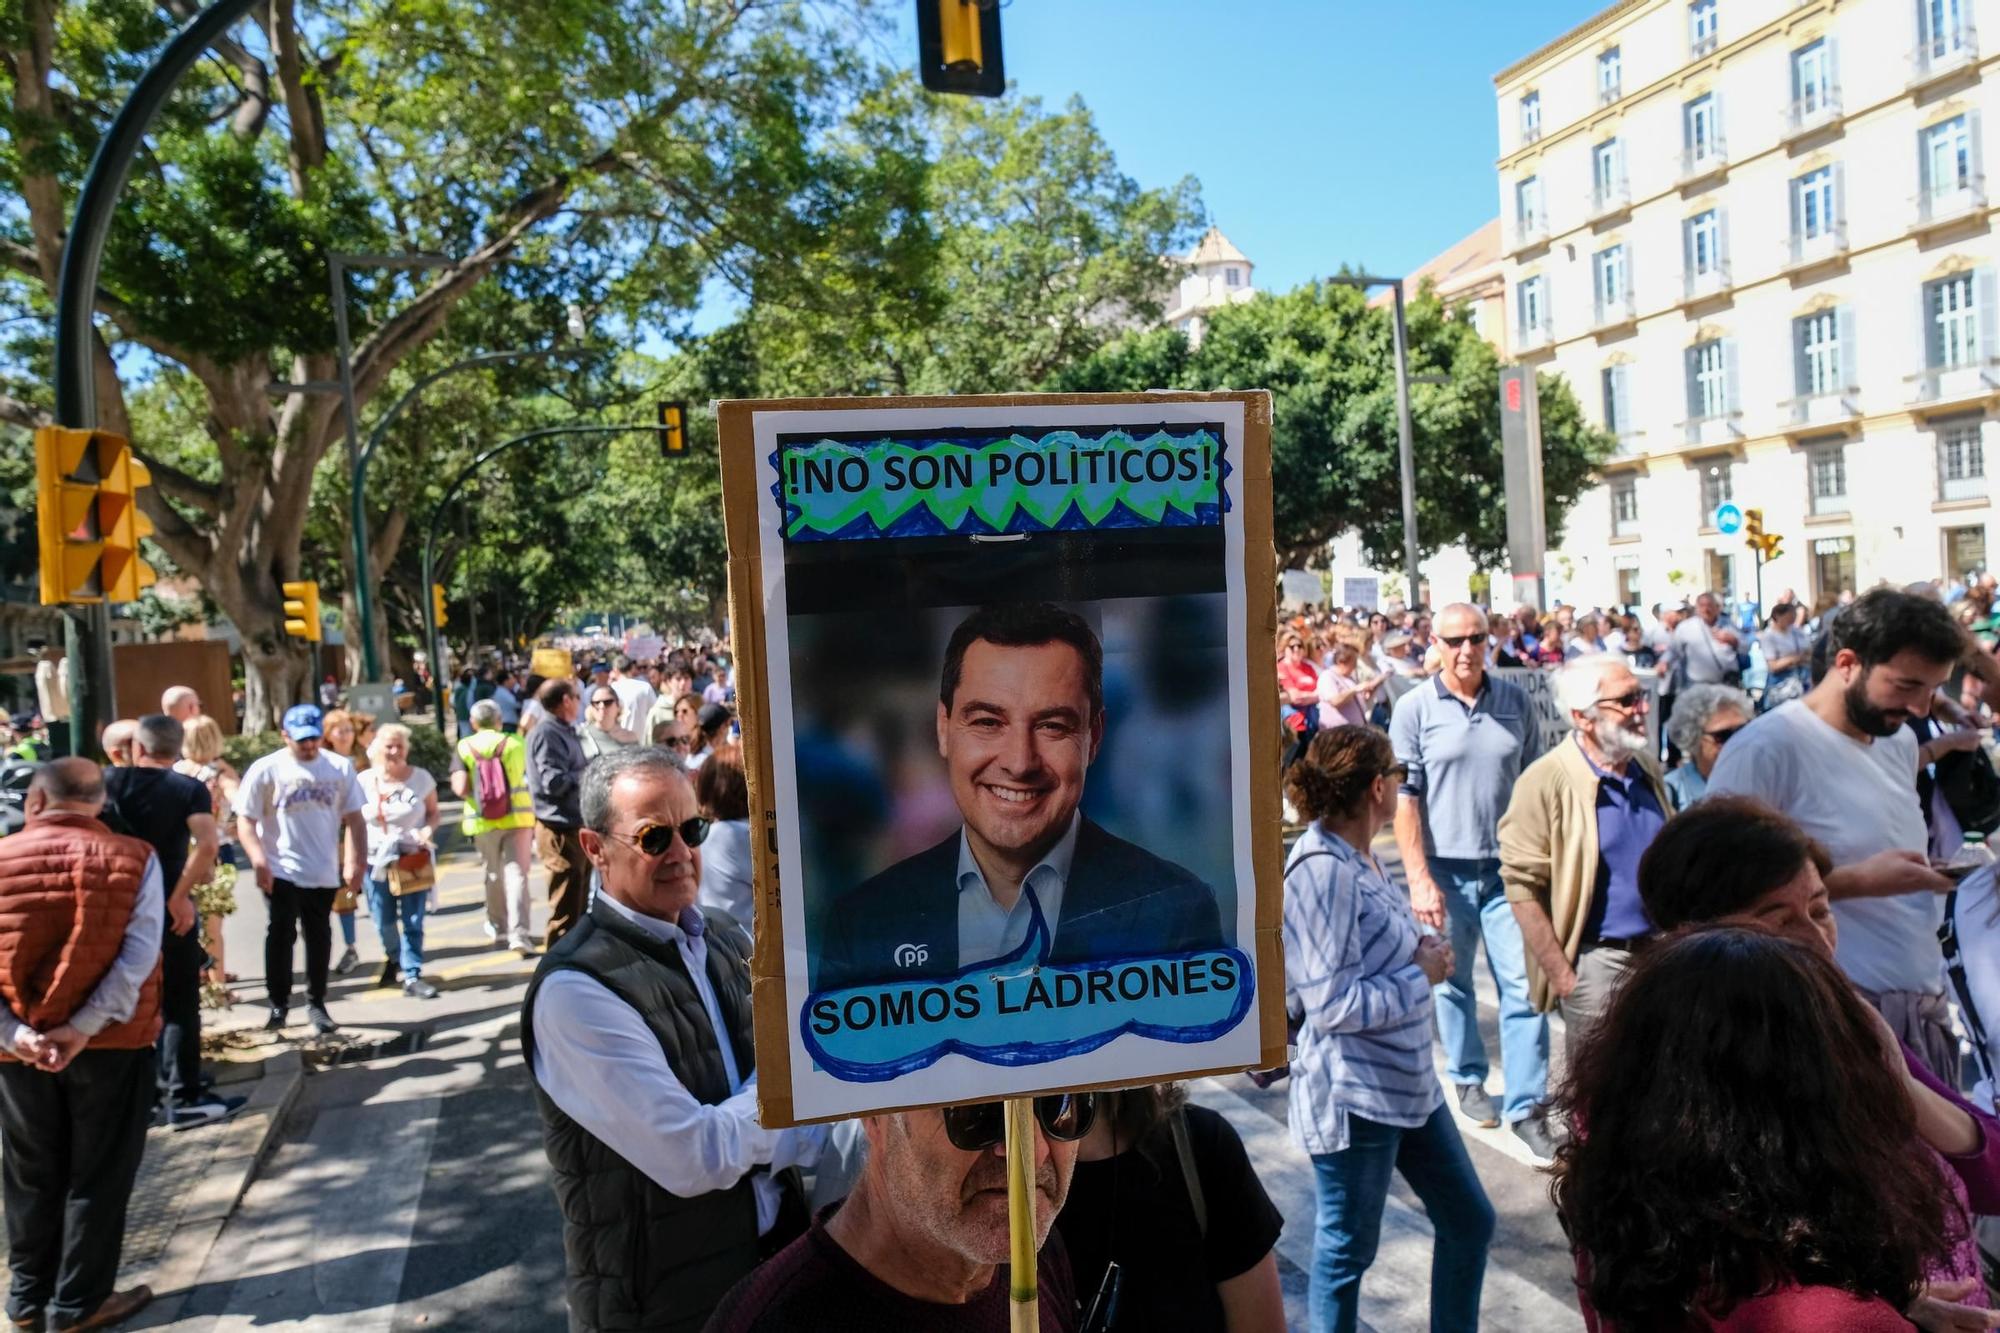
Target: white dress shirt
(988, 930)
(117, 992)
(597, 1060)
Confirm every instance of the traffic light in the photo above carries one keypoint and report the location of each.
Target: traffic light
(87, 517)
(1753, 528)
(437, 604)
(1774, 546)
(673, 430)
(958, 47)
(302, 610)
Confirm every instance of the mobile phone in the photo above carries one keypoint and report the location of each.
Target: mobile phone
(1954, 873)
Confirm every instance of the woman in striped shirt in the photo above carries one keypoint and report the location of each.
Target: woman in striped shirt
(1365, 1098)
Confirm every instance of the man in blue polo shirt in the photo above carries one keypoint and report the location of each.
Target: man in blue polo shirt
(1465, 735)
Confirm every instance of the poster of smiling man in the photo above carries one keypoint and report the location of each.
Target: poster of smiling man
(1011, 740)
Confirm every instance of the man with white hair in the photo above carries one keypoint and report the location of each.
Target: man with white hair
(1581, 817)
(181, 703)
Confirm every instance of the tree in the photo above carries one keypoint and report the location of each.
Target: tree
(1327, 357)
(626, 152)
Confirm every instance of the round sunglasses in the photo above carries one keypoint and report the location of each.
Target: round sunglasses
(654, 839)
(1063, 1116)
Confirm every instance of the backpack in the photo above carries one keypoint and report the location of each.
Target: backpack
(1971, 788)
(490, 786)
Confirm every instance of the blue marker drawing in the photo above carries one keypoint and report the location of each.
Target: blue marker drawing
(873, 1033)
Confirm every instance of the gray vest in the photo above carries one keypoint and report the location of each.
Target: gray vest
(640, 1258)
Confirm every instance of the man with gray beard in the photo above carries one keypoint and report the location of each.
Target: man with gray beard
(1581, 817)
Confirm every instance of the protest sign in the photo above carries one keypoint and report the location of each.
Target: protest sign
(552, 663)
(1011, 743)
(1361, 593)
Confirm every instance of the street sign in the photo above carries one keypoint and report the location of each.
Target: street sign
(375, 698)
(1728, 519)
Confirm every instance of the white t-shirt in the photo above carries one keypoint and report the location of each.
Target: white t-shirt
(394, 811)
(635, 699)
(1703, 661)
(1978, 922)
(1856, 798)
(298, 809)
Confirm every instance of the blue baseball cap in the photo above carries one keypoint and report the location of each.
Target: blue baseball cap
(302, 722)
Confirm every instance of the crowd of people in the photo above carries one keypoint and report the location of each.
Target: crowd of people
(1773, 1106)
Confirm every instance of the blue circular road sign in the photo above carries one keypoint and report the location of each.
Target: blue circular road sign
(1728, 519)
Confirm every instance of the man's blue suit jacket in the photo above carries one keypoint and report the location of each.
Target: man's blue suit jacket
(1120, 901)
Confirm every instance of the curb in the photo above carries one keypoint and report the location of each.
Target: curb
(246, 1141)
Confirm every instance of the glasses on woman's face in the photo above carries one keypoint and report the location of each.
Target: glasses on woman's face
(1721, 735)
(1395, 771)
(655, 839)
(675, 742)
(1063, 1116)
(608, 702)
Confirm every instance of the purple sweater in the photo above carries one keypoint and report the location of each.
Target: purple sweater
(1974, 1177)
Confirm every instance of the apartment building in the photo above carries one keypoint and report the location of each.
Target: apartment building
(1755, 238)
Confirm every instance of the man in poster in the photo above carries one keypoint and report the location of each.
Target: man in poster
(1020, 718)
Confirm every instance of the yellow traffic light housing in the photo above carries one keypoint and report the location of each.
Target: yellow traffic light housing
(958, 47)
(1753, 527)
(87, 517)
(1773, 547)
(673, 433)
(302, 610)
(437, 604)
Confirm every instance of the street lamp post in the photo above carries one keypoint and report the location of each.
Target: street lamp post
(439, 686)
(1406, 453)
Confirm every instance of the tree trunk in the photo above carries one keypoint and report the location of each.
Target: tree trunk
(275, 676)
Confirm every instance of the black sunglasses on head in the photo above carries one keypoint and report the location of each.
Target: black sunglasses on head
(654, 839)
(1063, 1116)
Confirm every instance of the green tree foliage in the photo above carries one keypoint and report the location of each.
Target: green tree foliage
(1327, 357)
(609, 153)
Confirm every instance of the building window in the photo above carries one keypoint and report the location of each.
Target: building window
(1812, 204)
(1708, 381)
(1947, 157)
(1812, 78)
(1616, 382)
(1953, 307)
(1701, 128)
(1628, 586)
(1624, 507)
(1532, 295)
(1607, 172)
(1722, 576)
(1716, 490)
(1964, 552)
(1613, 294)
(1816, 339)
(1961, 448)
(1704, 243)
(1232, 277)
(1610, 77)
(1701, 27)
(1826, 475)
(1531, 117)
(1833, 566)
(1528, 206)
(1943, 28)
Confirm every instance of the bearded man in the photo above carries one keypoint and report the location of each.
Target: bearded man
(1579, 820)
(1842, 764)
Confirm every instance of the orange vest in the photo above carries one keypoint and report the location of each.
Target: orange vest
(68, 886)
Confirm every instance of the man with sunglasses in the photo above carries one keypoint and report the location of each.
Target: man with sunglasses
(922, 1242)
(555, 782)
(1581, 817)
(637, 1031)
(1465, 736)
(1019, 720)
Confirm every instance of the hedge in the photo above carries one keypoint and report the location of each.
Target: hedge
(428, 750)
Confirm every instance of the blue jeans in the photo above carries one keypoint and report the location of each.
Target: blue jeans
(387, 907)
(1353, 1186)
(1475, 908)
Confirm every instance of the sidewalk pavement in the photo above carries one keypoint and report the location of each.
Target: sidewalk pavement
(189, 1182)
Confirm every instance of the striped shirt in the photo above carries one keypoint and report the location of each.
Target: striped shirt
(1365, 1046)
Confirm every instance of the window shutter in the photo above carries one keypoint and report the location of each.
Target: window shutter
(1722, 238)
(1832, 66)
(1690, 360)
(1987, 287)
(1718, 140)
(1687, 246)
(1621, 388)
(1973, 148)
(1797, 192)
(1850, 353)
(1924, 161)
(1730, 378)
(1801, 369)
(1930, 338)
(1798, 84)
(1840, 194)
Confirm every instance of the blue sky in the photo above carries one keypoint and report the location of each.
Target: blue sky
(1322, 131)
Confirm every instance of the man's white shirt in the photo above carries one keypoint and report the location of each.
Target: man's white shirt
(985, 929)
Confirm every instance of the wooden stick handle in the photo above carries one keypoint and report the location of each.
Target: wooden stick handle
(1021, 1215)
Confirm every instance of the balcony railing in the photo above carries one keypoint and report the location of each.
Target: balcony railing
(1713, 281)
(1824, 409)
(1722, 429)
(1622, 528)
(1830, 243)
(1702, 45)
(1969, 381)
(1615, 311)
(1607, 93)
(1824, 506)
(1944, 53)
(1818, 108)
(1610, 197)
(1529, 232)
(1962, 488)
(1533, 337)
(1700, 161)
(1957, 200)
(1631, 444)
(1530, 134)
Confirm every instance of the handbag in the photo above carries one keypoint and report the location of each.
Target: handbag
(412, 872)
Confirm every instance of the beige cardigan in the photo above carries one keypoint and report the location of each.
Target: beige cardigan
(1548, 848)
